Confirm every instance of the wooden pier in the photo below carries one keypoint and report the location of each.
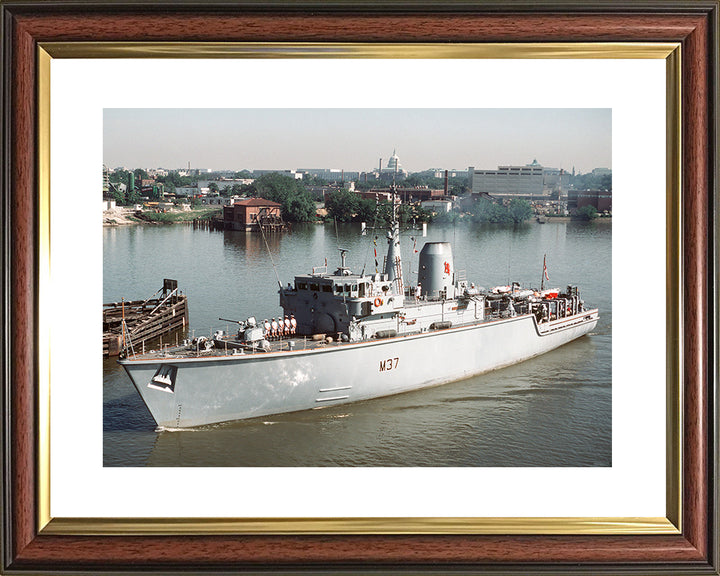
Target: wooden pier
(214, 223)
(162, 313)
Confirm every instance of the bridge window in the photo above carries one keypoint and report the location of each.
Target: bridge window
(314, 287)
(361, 291)
(327, 288)
(301, 285)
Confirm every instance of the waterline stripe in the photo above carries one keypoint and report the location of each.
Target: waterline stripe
(330, 399)
(334, 389)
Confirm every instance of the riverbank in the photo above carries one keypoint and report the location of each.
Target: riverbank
(121, 216)
(550, 219)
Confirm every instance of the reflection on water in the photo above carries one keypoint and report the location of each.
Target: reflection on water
(553, 410)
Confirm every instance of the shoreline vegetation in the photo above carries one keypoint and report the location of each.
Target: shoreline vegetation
(339, 204)
(122, 216)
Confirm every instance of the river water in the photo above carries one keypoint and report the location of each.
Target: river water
(553, 410)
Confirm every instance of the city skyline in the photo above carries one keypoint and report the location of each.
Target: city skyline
(356, 139)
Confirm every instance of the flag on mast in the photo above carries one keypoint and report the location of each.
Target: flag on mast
(545, 269)
(375, 252)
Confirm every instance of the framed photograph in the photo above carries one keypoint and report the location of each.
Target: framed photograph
(644, 499)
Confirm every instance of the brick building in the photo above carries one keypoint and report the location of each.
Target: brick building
(601, 200)
(252, 213)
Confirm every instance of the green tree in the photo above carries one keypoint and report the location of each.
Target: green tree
(420, 180)
(177, 180)
(363, 186)
(606, 182)
(587, 212)
(226, 190)
(141, 174)
(409, 213)
(446, 217)
(365, 211)
(297, 204)
(520, 210)
(299, 208)
(485, 210)
(458, 186)
(119, 176)
(213, 187)
(118, 196)
(592, 181)
(342, 205)
(310, 180)
(275, 186)
(132, 197)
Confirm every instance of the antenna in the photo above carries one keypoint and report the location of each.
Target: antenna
(267, 246)
(393, 262)
(343, 251)
(374, 230)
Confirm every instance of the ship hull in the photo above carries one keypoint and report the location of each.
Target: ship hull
(234, 387)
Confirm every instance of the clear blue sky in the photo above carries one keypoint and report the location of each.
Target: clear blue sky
(355, 139)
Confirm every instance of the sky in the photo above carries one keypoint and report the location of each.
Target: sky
(356, 139)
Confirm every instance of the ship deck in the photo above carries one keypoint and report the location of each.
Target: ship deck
(282, 345)
(292, 344)
(231, 348)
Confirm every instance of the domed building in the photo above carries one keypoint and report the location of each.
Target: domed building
(393, 168)
(394, 162)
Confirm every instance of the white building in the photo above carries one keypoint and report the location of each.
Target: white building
(292, 173)
(392, 168)
(437, 206)
(529, 180)
(393, 164)
(440, 173)
(219, 200)
(330, 174)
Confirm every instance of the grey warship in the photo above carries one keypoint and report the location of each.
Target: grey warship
(345, 337)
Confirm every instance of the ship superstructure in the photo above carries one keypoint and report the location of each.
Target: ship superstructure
(345, 337)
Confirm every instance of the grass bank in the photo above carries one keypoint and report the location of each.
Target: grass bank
(173, 217)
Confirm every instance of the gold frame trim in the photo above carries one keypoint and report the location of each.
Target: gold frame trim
(357, 526)
(670, 52)
(530, 50)
(43, 171)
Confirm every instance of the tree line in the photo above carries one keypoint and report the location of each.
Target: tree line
(342, 205)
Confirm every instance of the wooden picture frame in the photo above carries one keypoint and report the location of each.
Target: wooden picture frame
(33, 30)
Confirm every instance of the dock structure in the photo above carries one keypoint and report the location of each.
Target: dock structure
(162, 313)
(254, 214)
(214, 223)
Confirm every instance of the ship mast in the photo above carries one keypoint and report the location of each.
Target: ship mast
(393, 262)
